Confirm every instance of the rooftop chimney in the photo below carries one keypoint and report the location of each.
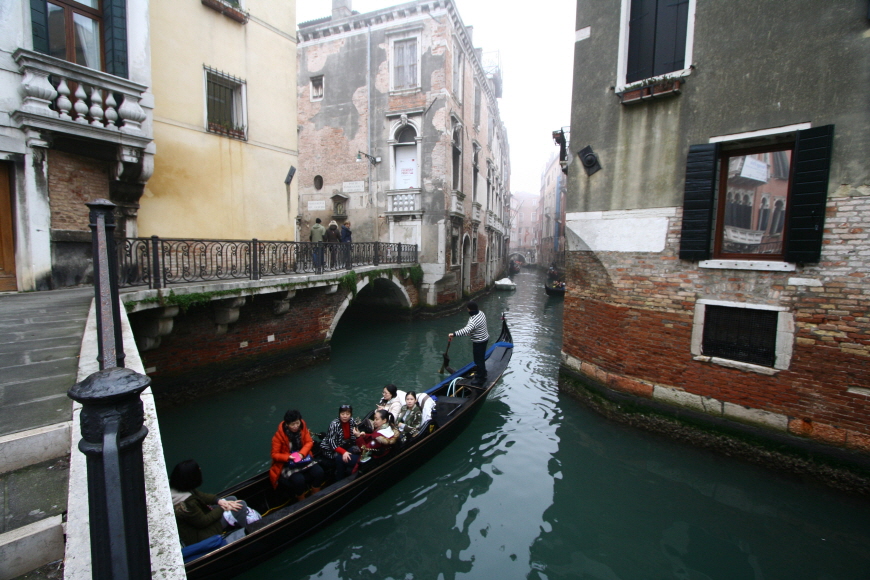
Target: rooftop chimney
(341, 9)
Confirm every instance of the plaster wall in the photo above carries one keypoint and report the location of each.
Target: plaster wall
(207, 185)
(755, 72)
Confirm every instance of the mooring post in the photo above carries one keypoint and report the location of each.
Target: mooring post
(110, 342)
(112, 429)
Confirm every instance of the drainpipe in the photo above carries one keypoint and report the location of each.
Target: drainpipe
(558, 215)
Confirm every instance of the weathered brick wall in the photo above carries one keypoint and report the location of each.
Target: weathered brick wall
(72, 181)
(629, 316)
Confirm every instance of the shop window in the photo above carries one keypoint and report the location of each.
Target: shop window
(225, 104)
(757, 204)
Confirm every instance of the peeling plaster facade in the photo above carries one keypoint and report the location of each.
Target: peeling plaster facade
(411, 151)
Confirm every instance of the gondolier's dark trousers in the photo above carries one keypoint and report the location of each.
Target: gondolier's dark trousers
(479, 351)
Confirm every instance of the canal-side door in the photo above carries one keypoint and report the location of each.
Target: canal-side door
(7, 249)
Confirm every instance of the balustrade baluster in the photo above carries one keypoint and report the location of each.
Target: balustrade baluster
(96, 107)
(64, 105)
(80, 105)
(111, 112)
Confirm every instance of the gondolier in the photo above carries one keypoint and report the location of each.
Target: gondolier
(476, 330)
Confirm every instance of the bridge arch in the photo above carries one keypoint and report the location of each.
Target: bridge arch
(404, 298)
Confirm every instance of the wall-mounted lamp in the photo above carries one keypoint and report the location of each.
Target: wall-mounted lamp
(372, 160)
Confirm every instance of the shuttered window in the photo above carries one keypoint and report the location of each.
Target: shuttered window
(770, 202)
(656, 38)
(405, 64)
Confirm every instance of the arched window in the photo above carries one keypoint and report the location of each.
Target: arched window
(764, 215)
(778, 217)
(457, 158)
(406, 167)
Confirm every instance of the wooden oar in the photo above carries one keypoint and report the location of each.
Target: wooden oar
(446, 358)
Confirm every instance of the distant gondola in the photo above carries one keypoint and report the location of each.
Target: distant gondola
(457, 402)
(552, 291)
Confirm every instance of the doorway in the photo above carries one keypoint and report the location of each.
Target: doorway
(7, 236)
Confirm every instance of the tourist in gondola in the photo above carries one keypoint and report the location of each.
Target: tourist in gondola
(340, 440)
(375, 446)
(410, 417)
(292, 464)
(392, 400)
(476, 330)
(194, 514)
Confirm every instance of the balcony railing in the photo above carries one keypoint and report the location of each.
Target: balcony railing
(69, 98)
(159, 263)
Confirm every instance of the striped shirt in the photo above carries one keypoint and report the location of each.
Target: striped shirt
(476, 328)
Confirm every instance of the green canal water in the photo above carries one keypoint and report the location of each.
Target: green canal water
(538, 487)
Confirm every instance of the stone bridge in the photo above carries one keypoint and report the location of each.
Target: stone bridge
(200, 338)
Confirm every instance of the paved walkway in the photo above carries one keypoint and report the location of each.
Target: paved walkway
(40, 338)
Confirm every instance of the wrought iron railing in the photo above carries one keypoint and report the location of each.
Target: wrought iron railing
(158, 263)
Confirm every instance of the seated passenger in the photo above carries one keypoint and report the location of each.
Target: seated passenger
(427, 405)
(375, 447)
(196, 519)
(292, 464)
(410, 417)
(340, 440)
(392, 400)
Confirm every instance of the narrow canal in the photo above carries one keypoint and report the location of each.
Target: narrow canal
(538, 487)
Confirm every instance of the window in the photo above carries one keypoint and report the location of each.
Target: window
(746, 336)
(316, 88)
(476, 105)
(225, 104)
(457, 158)
(656, 37)
(406, 170)
(457, 72)
(74, 31)
(475, 174)
(405, 64)
(766, 204)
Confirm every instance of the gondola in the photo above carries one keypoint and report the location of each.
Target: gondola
(457, 402)
(551, 291)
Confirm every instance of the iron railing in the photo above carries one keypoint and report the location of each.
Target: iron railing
(158, 263)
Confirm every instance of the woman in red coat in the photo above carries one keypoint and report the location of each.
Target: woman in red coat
(380, 442)
(292, 465)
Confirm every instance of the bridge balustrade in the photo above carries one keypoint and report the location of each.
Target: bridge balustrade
(158, 263)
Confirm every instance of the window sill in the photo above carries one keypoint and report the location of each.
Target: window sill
(733, 364)
(231, 133)
(227, 9)
(758, 265)
(401, 92)
(658, 89)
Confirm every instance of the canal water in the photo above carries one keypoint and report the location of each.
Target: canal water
(538, 487)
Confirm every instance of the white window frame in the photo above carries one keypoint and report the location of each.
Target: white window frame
(622, 57)
(395, 128)
(311, 96)
(785, 336)
(403, 36)
(240, 98)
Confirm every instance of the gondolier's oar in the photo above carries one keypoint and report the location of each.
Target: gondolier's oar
(446, 358)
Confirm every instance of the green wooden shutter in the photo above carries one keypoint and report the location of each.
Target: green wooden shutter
(809, 194)
(698, 202)
(641, 40)
(672, 17)
(115, 31)
(39, 25)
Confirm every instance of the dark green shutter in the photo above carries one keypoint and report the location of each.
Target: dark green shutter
(115, 31)
(641, 39)
(39, 25)
(809, 194)
(672, 17)
(699, 202)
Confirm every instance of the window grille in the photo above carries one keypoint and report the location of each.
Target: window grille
(740, 334)
(224, 104)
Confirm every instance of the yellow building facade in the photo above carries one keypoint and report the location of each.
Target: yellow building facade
(224, 83)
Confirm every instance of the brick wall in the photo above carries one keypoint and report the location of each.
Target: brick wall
(72, 181)
(629, 316)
